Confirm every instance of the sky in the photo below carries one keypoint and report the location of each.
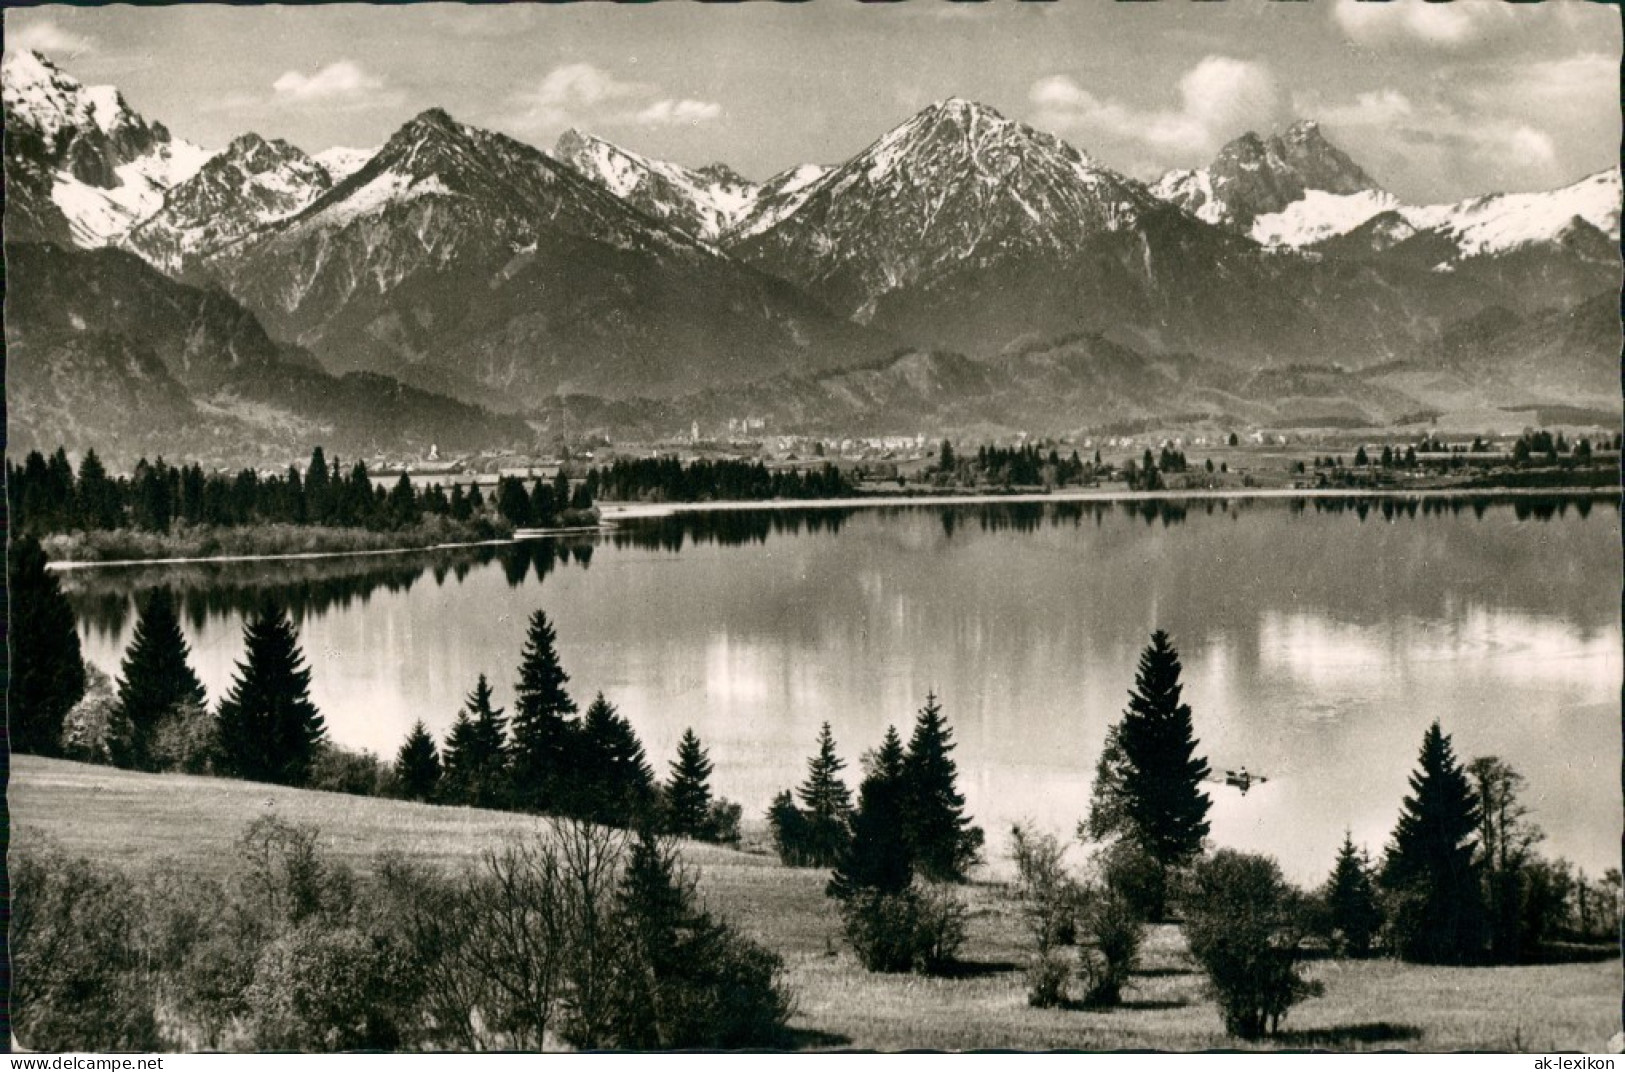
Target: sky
(1437, 101)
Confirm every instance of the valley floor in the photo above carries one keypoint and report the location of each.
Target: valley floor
(131, 820)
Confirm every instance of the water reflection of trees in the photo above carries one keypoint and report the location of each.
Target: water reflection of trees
(725, 528)
(106, 599)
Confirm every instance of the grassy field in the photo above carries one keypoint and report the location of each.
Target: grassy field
(133, 819)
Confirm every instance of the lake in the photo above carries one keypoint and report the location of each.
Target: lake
(1318, 640)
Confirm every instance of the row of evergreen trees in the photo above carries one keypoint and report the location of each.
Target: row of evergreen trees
(909, 818)
(46, 496)
(545, 759)
(1024, 466)
(669, 480)
(267, 728)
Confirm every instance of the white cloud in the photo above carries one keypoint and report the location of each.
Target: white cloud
(1218, 98)
(1482, 127)
(48, 37)
(1376, 108)
(580, 94)
(1451, 26)
(577, 84)
(344, 80)
(568, 96)
(666, 112)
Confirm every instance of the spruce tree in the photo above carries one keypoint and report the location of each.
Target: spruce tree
(457, 761)
(417, 765)
(269, 729)
(877, 858)
(1353, 913)
(688, 793)
(544, 731)
(614, 784)
(155, 678)
(47, 674)
(826, 802)
(942, 841)
(1163, 802)
(1430, 864)
(474, 762)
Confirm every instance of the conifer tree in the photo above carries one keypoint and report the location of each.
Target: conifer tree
(47, 672)
(1352, 910)
(686, 979)
(457, 761)
(1430, 864)
(826, 801)
(942, 841)
(269, 729)
(544, 729)
(474, 761)
(688, 792)
(417, 765)
(877, 858)
(155, 678)
(614, 784)
(1163, 803)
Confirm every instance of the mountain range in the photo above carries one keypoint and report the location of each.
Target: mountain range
(964, 271)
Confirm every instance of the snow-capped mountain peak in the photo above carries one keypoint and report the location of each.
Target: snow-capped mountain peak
(340, 162)
(100, 163)
(247, 185)
(703, 202)
(1255, 176)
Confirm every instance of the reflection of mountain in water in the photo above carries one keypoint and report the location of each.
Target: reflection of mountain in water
(105, 598)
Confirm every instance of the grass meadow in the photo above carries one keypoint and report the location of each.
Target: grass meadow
(131, 820)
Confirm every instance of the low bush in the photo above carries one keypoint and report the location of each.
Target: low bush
(185, 740)
(1110, 949)
(920, 929)
(1048, 978)
(78, 980)
(1245, 924)
(722, 822)
(342, 770)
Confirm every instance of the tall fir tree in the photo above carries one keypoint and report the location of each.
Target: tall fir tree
(544, 728)
(1430, 865)
(688, 791)
(269, 729)
(877, 858)
(614, 783)
(474, 761)
(155, 677)
(46, 671)
(1163, 803)
(826, 803)
(417, 765)
(942, 841)
(1353, 912)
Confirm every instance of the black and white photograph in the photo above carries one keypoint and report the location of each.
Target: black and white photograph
(924, 525)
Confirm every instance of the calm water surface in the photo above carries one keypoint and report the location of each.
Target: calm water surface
(1318, 644)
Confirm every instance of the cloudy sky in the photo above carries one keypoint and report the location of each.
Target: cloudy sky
(1437, 100)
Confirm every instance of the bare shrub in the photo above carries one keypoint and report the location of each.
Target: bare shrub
(77, 977)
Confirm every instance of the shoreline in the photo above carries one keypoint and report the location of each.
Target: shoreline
(610, 513)
(641, 511)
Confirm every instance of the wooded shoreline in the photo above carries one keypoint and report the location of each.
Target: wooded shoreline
(611, 512)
